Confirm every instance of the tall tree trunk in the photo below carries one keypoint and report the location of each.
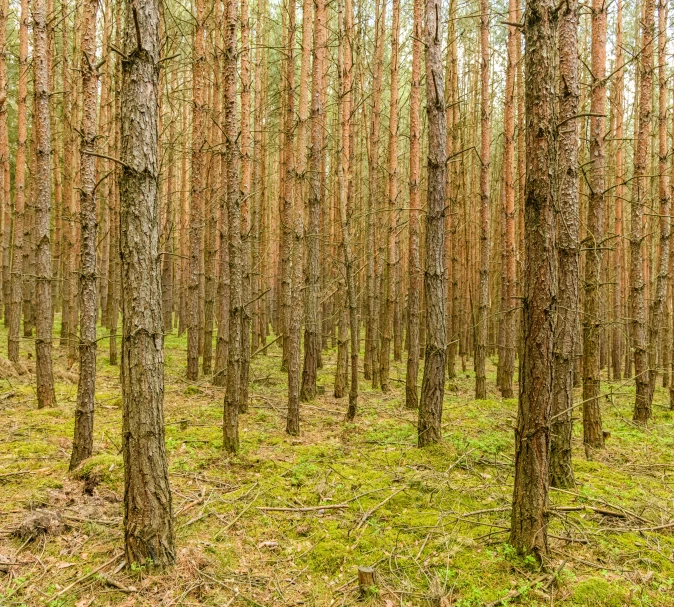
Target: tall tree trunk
(618, 111)
(414, 288)
(233, 394)
(5, 192)
(392, 201)
(295, 320)
(509, 320)
(561, 424)
(19, 191)
(346, 196)
(286, 190)
(593, 437)
(528, 533)
(148, 524)
(642, 408)
(433, 384)
(374, 260)
(83, 441)
(658, 302)
(197, 189)
(312, 336)
(485, 163)
(246, 174)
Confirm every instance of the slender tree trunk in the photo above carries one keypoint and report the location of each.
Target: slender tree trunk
(83, 441)
(197, 189)
(414, 288)
(312, 336)
(5, 192)
(593, 437)
(19, 191)
(509, 320)
(346, 196)
(246, 173)
(658, 302)
(528, 533)
(286, 189)
(433, 384)
(295, 319)
(148, 525)
(568, 247)
(485, 158)
(642, 408)
(374, 260)
(392, 198)
(233, 394)
(618, 326)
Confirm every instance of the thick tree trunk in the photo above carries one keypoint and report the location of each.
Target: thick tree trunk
(528, 532)
(148, 525)
(642, 408)
(433, 384)
(83, 441)
(568, 247)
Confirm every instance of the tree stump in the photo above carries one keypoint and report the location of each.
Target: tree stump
(365, 580)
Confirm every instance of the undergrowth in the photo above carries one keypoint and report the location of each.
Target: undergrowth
(433, 523)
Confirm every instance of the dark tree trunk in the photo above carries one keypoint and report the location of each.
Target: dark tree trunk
(83, 441)
(561, 425)
(528, 532)
(148, 525)
(433, 384)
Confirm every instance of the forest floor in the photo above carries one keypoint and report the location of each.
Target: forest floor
(433, 523)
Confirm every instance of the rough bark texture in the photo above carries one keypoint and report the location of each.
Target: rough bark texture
(414, 261)
(148, 525)
(388, 305)
(642, 409)
(374, 262)
(6, 209)
(655, 319)
(618, 111)
(561, 426)
(507, 364)
(312, 321)
(345, 196)
(197, 188)
(433, 384)
(233, 395)
(83, 441)
(295, 320)
(528, 532)
(593, 437)
(485, 158)
(246, 173)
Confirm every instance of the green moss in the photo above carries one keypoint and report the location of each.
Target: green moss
(104, 467)
(596, 591)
